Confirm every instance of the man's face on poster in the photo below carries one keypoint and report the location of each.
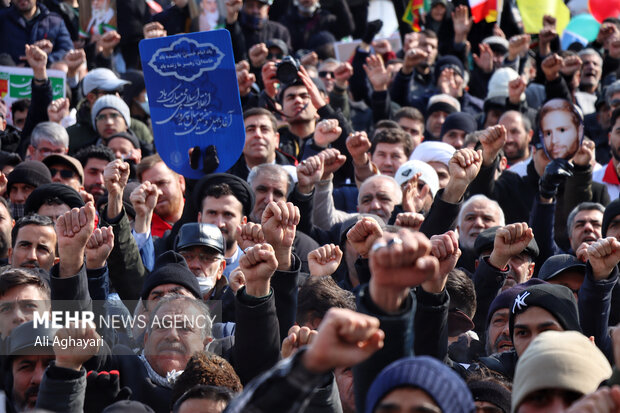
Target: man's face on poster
(561, 130)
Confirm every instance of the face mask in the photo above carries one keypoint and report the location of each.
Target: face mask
(145, 106)
(251, 21)
(305, 10)
(206, 284)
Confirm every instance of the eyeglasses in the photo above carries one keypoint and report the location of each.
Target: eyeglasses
(277, 56)
(324, 73)
(49, 151)
(64, 173)
(202, 256)
(104, 117)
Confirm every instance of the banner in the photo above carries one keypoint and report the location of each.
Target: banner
(15, 84)
(532, 12)
(194, 101)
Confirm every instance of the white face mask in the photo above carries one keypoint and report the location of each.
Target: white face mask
(206, 284)
(145, 106)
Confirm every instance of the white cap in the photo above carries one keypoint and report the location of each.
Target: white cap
(432, 151)
(102, 78)
(410, 168)
(498, 83)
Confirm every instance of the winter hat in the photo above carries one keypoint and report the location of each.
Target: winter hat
(506, 298)
(611, 211)
(442, 102)
(446, 388)
(459, 120)
(449, 62)
(171, 268)
(44, 192)
(497, 43)
(410, 168)
(432, 151)
(110, 102)
(491, 392)
(557, 299)
(239, 187)
(498, 85)
(564, 360)
(33, 173)
(133, 139)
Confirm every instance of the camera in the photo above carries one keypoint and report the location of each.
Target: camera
(286, 70)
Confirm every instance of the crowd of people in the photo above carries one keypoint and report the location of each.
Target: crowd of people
(430, 229)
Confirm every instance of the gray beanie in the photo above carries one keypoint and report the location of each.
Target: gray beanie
(112, 102)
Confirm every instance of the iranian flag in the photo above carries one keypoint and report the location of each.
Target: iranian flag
(483, 9)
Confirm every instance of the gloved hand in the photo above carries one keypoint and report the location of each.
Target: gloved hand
(102, 389)
(372, 28)
(556, 172)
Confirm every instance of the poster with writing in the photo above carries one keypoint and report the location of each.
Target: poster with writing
(15, 84)
(193, 98)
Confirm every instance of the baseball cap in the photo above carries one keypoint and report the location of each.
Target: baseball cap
(102, 78)
(198, 234)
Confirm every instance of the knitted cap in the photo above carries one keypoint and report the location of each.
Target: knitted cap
(171, 268)
(449, 62)
(110, 102)
(557, 299)
(498, 83)
(33, 173)
(506, 298)
(490, 392)
(440, 382)
(564, 360)
(459, 120)
(410, 168)
(611, 211)
(133, 139)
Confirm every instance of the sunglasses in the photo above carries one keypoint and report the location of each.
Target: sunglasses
(323, 73)
(64, 173)
(277, 56)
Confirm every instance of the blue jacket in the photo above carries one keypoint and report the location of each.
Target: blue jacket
(46, 25)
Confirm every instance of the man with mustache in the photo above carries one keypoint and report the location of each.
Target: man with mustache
(33, 243)
(94, 160)
(505, 258)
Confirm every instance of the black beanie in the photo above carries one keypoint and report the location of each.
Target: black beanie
(459, 120)
(557, 299)
(491, 392)
(171, 268)
(449, 62)
(39, 196)
(239, 187)
(611, 211)
(33, 173)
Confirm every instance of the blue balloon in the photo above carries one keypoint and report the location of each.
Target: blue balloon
(194, 100)
(584, 25)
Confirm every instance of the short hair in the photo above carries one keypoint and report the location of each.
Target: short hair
(273, 170)
(207, 369)
(94, 151)
(409, 113)
(49, 132)
(386, 124)
(214, 393)
(462, 292)
(525, 121)
(261, 112)
(584, 206)
(429, 33)
(20, 106)
(614, 116)
(11, 277)
(31, 219)
(612, 90)
(317, 295)
(198, 304)
(397, 190)
(480, 197)
(4, 202)
(393, 136)
(590, 51)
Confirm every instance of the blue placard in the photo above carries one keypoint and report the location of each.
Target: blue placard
(194, 98)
